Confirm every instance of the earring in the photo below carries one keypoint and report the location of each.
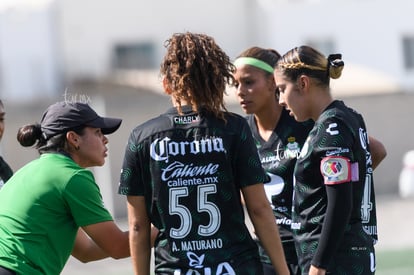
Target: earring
(77, 147)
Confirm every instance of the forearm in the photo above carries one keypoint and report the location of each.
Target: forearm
(140, 251)
(139, 235)
(86, 250)
(267, 231)
(336, 219)
(377, 150)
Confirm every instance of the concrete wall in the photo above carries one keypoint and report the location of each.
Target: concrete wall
(28, 53)
(90, 29)
(367, 32)
(43, 50)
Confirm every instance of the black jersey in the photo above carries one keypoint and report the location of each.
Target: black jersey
(335, 158)
(278, 157)
(190, 168)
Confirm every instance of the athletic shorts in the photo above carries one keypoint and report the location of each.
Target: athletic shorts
(356, 255)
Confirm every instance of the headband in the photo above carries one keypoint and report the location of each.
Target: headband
(253, 62)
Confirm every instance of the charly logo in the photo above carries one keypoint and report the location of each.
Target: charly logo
(331, 130)
(181, 120)
(162, 149)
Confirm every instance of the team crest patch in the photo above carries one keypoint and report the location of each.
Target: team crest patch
(336, 170)
(292, 149)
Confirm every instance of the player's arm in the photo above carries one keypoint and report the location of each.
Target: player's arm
(316, 271)
(99, 241)
(139, 234)
(265, 226)
(336, 218)
(337, 174)
(378, 151)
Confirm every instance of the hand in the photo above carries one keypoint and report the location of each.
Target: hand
(316, 271)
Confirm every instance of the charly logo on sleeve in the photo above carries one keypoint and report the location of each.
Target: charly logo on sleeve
(332, 129)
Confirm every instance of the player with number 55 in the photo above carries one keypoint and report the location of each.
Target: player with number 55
(184, 172)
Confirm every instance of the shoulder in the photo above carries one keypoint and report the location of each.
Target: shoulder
(236, 121)
(338, 114)
(236, 117)
(339, 110)
(229, 121)
(149, 127)
(288, 124)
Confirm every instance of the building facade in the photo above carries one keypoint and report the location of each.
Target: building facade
(45, 48)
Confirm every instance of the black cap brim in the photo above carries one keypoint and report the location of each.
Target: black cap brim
(108, 125)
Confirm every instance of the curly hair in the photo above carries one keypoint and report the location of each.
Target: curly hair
(197, 71)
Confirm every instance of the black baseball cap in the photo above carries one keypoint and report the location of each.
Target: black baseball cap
(64, 116)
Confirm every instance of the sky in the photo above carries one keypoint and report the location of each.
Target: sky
(6, 4)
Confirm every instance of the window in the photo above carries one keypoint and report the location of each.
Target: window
(408, 51)
(134, 56)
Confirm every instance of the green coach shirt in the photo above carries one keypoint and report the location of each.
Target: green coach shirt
(41, 209)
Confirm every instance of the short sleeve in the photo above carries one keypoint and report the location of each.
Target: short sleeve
(248, 167)
(131, 168)
(335, 151)
(84, 200)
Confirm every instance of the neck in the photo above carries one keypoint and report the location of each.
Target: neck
(267, 121)
(321, 100)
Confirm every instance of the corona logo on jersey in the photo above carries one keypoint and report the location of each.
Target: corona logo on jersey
(161, 149)
(336, 169)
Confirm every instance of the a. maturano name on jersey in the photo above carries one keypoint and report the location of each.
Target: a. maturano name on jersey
(190, 168)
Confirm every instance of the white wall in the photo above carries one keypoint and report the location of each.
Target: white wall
(28, 60)
(368, 33)
(39, 48)
(90, 28)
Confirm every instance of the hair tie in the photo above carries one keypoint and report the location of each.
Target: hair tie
(335, 60)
